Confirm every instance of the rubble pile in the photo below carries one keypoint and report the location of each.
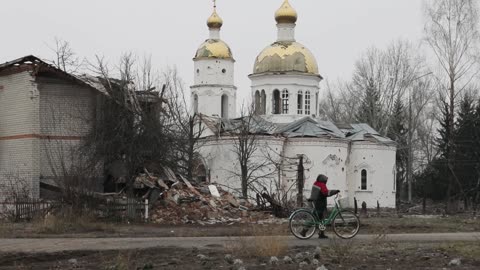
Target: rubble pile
(177, 201)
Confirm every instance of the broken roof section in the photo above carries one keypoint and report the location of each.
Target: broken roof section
(39, 67)
(306, 127)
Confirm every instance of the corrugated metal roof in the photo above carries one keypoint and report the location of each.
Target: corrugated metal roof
(304, 127)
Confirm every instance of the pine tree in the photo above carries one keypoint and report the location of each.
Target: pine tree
(464, 147)
(370, 111)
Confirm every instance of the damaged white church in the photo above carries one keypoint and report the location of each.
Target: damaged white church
(287, 124)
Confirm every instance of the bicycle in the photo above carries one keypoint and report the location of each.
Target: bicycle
(304, 222)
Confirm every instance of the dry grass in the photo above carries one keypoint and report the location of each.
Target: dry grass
(125, 260)
(340, 250)
(6, 229)
(68, 222)
(470, 250)
(258, 243)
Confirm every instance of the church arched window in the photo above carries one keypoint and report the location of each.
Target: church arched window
(300, 102)
(195, 103)
(258, 103)
(263, 99)
(276, 102)
(224, 106)
(307, 102)
(285, 101)
(316, 104)
(364, 180)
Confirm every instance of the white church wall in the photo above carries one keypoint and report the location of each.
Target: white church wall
(214, 71)
(222, 161)
(379, 163)
(324, 157)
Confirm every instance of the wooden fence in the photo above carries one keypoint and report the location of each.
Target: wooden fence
(111, 209)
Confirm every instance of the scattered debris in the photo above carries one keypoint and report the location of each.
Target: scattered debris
(175, 200)
(273, 261)
(455, 262)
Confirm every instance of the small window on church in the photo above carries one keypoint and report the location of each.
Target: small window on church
(263, 101)
(276, 102)
(285, 101)
(300, 102)
(195, 103)
(198, 71)
(224, 106)
(224, 71)
(307, 102)
(257, 103)
(364, 180)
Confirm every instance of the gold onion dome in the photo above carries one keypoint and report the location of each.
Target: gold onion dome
(214, 48)
(286, 57)
(286, 13)
(214, 21)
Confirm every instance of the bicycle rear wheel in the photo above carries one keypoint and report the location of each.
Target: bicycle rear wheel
(346, 224)
(303, 224)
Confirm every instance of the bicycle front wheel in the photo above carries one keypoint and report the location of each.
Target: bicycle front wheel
(346, 224)
(303, 224)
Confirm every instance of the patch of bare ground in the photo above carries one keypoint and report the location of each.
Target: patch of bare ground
(379, 254)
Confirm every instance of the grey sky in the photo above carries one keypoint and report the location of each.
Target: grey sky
(336, 31)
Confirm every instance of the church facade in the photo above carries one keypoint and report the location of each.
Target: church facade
(288, 130)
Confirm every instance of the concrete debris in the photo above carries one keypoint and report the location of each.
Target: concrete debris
(287, 260)
(229, 259)
(322, 268)
(455, 262)
(237, 262)
(302, 265)
(185, 202)
(273, 260)
(214, 191)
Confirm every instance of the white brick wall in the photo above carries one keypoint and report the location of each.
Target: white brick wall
(67, 112)
(19, 103)
(31, 109)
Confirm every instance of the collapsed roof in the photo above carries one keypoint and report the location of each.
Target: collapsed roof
(306, 127)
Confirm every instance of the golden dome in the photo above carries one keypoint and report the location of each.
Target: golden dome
(214, 48)
(214, 21)
(286, 13)
(286, 57)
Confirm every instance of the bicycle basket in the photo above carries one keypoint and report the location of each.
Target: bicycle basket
(344, 202)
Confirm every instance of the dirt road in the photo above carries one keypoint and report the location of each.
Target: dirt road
(92, 244)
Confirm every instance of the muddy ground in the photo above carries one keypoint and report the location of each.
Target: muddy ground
(371, 225)
(375, 255)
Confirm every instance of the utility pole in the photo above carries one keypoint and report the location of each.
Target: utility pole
(410, 140)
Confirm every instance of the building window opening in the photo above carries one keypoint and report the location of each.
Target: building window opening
(285, 101)
(317, 111)
(300, 102)
(364, 180)
(263, 99)
(195, 103)
(257, 103)
(224, 106)
(307, 102)
(276, 102)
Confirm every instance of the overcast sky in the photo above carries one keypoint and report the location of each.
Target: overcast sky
(336, 31)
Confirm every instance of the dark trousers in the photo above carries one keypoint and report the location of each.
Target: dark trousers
(321, 207)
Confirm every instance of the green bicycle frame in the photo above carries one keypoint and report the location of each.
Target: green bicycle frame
(327, 221)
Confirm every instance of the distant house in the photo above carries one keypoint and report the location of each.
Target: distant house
(44, 114)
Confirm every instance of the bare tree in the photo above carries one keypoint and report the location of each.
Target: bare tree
(65, 57)
(188, 125)
(255, 170)
(451, 32)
